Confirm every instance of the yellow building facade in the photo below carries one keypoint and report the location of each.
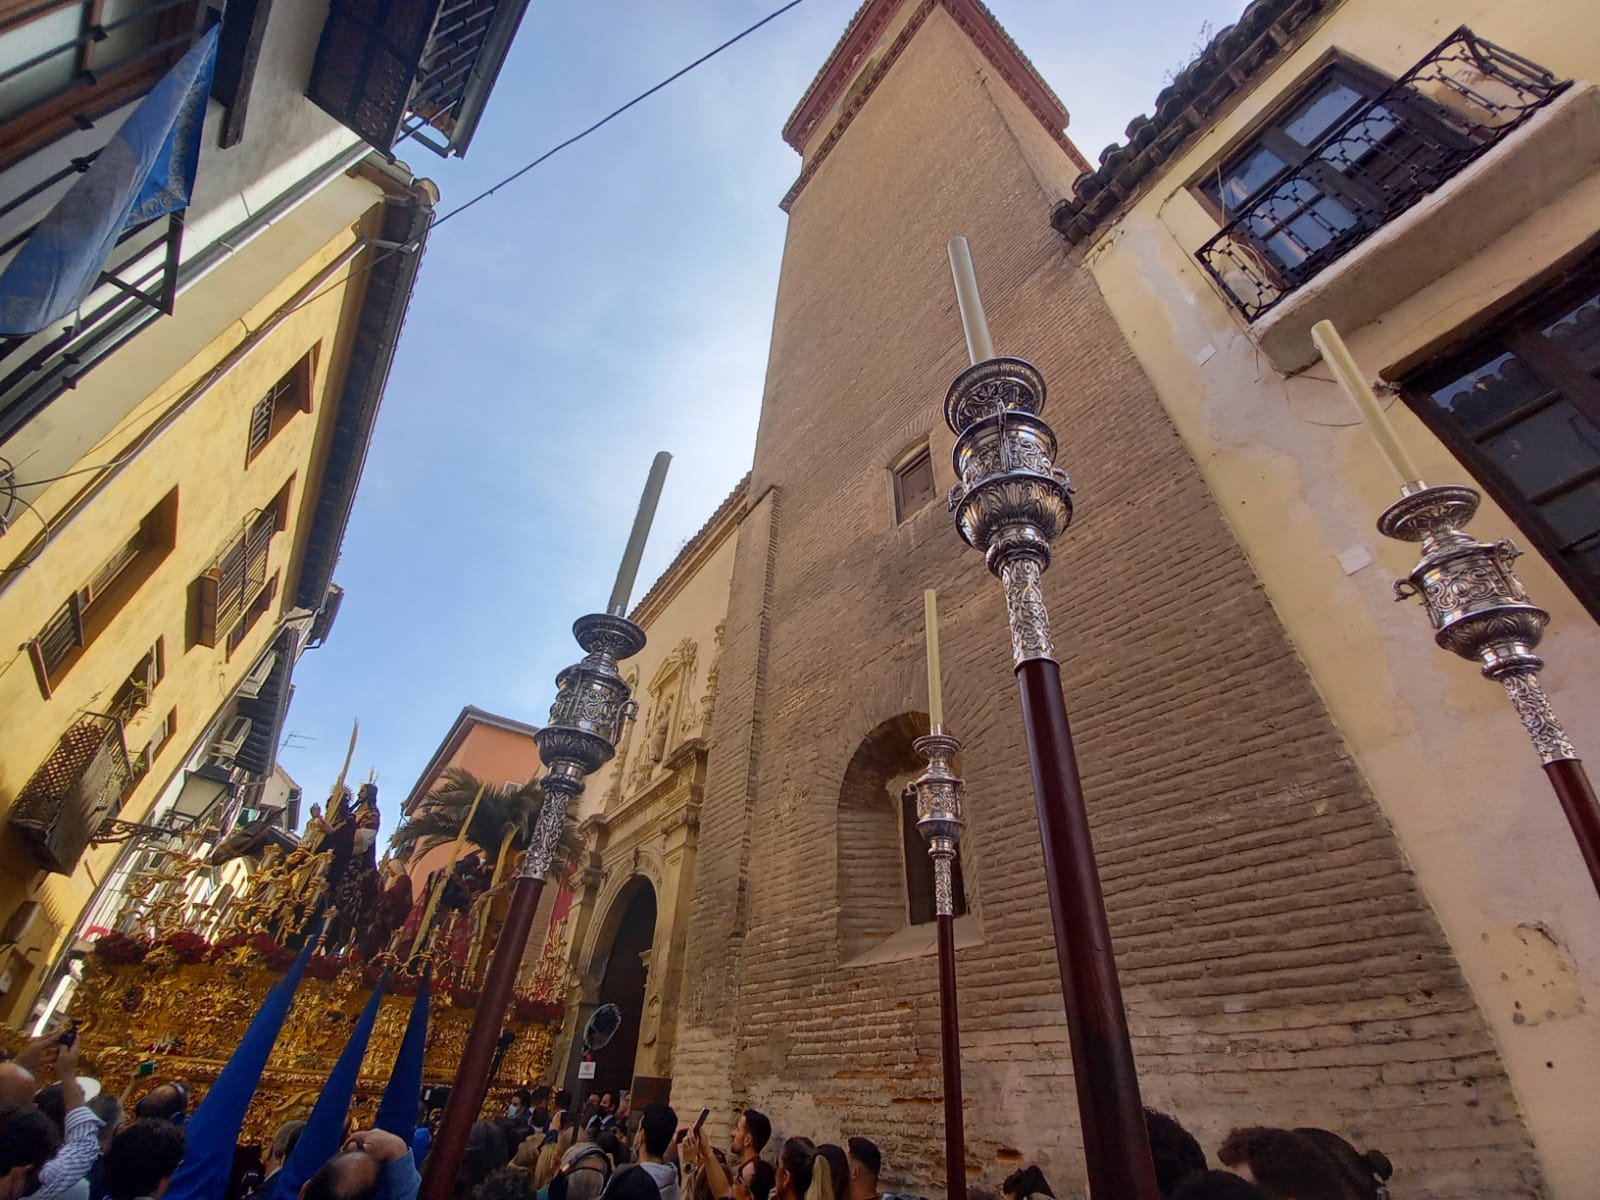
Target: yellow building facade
(1444, 298)
(145, 584)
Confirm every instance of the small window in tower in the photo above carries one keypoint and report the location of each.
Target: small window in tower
(913, 484)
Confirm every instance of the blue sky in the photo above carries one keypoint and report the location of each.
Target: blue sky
(615, 301)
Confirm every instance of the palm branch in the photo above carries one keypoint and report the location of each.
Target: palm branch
(501, 812)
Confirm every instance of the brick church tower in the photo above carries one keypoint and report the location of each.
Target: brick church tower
(1279, 963)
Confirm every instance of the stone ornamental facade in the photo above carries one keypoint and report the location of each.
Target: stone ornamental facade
(1280, 961)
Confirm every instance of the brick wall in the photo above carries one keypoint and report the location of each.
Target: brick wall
(1279, 963)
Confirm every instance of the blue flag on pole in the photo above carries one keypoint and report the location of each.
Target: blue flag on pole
(214, 1129)
(397, 1111)
(324, 1132)
(146, 170)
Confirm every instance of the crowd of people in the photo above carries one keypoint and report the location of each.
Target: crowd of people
(59, 1143)
(544, 1150)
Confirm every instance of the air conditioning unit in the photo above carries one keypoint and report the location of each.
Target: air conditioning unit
(253, 682)
(228, 747)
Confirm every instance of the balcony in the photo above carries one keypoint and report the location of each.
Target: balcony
(139, 284)
(1388, 155)
(418, 69)
(68, 798)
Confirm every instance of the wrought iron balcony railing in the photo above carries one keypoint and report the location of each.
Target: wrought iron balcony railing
(74, 791)
(1391, 151)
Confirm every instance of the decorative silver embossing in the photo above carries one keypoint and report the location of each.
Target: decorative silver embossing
(1025, 608)
(937, 793)
(944, 888)
(592, 702)
(1477, 604)
(1012, 500)
(1538, 718)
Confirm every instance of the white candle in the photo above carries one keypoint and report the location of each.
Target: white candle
(1345, 369)
(629, 570)
(976, 326)
(930, 613)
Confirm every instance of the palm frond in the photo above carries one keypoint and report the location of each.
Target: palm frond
(439, 817)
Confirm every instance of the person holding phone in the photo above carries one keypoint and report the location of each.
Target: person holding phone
(657, 1126)
(80, 1133)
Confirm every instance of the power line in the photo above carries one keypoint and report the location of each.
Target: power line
(411, 247)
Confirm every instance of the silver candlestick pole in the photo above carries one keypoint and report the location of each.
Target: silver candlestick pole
(1480, 610)
(1011, 503)
(592, 701)
(937, 792)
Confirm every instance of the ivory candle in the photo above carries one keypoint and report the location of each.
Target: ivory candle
(622, 590)
(930, 613)
(1346, 370)
(973, 323)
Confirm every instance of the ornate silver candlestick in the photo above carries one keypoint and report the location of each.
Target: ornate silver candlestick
(1480, 610)
(1012, 503)
(592, 701)
(938, 797)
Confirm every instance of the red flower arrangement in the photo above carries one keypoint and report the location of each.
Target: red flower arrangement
(119, 948)
(187, 946)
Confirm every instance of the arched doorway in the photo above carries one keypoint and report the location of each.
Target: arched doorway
(623, 983)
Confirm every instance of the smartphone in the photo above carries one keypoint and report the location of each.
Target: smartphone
(69, 1037)
(147, 1067)
(704, 1113)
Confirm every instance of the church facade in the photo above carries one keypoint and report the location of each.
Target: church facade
(1316, 831)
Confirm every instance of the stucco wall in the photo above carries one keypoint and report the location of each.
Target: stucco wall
(1299, 483)
(203, 455)
(493, 756)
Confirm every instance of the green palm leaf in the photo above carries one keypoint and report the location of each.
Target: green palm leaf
(438, 818)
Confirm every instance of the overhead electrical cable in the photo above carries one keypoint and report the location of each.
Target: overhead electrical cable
(411, 246)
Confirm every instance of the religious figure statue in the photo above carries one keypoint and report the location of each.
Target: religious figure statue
(660, 731)
(394, 906)
(353, 880)
(316, 830)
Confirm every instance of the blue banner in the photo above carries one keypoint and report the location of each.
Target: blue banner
(146, 170)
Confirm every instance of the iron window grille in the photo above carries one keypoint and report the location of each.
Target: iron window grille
(278, 407)
(1519, 405)
(1369, 154)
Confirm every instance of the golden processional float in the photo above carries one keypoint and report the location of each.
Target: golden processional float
(157, 991)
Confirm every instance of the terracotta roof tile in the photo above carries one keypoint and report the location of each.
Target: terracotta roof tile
(1225, 70)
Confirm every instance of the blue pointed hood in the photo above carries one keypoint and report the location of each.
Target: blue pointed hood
(324, 1132)
(214, 1129)
(397, 1112)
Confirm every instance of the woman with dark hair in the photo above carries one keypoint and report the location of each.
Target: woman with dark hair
(1029, 1181)
(1366, 1172)
(834, 1183)
(796, 1166)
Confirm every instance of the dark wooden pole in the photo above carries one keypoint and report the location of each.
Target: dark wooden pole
(471, 1084)
(1115, 1141)
(955, 1134)
(1571, 782)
